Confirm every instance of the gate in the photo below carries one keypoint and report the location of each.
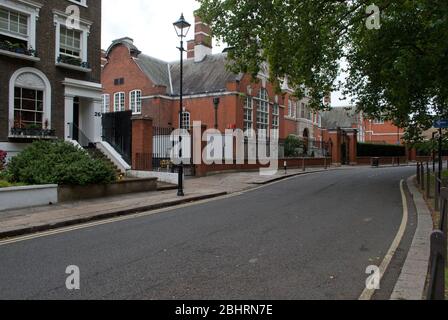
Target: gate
(161, 154)
(117, 131)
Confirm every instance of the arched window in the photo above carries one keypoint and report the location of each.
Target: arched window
(186, 118)
(29, 100)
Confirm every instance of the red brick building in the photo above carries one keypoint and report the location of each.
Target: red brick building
(369, 131)
(150, 88)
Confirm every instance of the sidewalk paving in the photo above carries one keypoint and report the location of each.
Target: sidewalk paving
(30, 220)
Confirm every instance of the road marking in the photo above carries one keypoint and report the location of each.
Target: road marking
(367, 294)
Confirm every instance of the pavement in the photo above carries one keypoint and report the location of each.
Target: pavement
(412, 281)
(30, 220)
(308, 237)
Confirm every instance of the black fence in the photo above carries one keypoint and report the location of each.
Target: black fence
(117, 131)
(161, 148)
(436, 189)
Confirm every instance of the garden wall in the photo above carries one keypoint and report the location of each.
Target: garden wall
(28, 196)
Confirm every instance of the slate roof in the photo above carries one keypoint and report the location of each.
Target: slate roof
(340, 118)
(209, 75)
(155, 69)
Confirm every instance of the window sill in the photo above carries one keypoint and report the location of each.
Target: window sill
(23, 137)
(72, 67)
(18, 55)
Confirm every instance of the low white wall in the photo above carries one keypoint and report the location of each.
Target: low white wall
(113, 155)
(162, 176)
(28, 196)
(12, 149)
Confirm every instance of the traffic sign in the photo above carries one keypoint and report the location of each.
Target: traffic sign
(441, 124)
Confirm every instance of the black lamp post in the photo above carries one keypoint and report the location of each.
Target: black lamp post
(216, 104)
(182, 27)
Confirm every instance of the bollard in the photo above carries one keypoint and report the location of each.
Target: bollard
(422, 176)
(436, 290)
(428, 181)
(303, 165)
(285, 165)
(418, 173)
(437, 195)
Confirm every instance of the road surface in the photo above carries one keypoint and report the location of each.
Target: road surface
(310, 237)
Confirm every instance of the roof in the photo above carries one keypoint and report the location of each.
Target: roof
(209, 75)
(126, 41)
(154, 69)
(340, 118)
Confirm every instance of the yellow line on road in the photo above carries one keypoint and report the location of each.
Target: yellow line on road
(367, 294)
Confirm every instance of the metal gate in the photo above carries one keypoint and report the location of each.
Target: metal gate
(117, 131)
(161, 154)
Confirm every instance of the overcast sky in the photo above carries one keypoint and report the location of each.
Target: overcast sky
(150, 24)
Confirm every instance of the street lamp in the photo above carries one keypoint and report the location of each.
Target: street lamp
(216, 104)
(182, 27)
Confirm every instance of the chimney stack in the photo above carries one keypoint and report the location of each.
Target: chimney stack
(201, 46)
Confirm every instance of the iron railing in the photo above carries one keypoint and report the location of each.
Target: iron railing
(438, 257)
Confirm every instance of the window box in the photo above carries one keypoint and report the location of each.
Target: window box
(17, 48)
(73, 63)
(32, 133)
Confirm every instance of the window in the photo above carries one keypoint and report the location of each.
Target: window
(118, 81)
(136, 101)
(119, 101)
(248, 115)
(263, 110)
(28, 108)
(13, 23)
(290, 108)
(70, 42)
(378, 121)
(302, 110)
(185, 124)
(29, 100)
(106, 103)
(18, 26)
(275, 118)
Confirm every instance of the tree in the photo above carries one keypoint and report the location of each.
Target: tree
(397, 70)
(292, 146)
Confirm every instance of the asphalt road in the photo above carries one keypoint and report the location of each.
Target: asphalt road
(310, 237)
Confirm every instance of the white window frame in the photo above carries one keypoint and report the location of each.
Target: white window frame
(31, 10)
(60, 19)
(185, 120)
(135, 101)
(119, 101)
(263, 110)
(80, 2)
(15, 80)
(105, 106)
(379, 121)
(248, 116)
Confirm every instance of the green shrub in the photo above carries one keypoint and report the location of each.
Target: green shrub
(7, 184)
(58, 162)
(380, 150)
(292, 146)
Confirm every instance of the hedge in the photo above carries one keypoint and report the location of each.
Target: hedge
(59, 162)
(380, 150)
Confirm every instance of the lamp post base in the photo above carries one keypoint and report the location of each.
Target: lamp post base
(180, 193)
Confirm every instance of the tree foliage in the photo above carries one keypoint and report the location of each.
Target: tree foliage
(398, 72)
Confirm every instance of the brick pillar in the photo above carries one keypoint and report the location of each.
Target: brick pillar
(201, 169)
(411, 154)
(335, 136)
(353, 147)
(142, 141)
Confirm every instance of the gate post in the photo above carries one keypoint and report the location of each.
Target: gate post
(142, 143)
(335, 136)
